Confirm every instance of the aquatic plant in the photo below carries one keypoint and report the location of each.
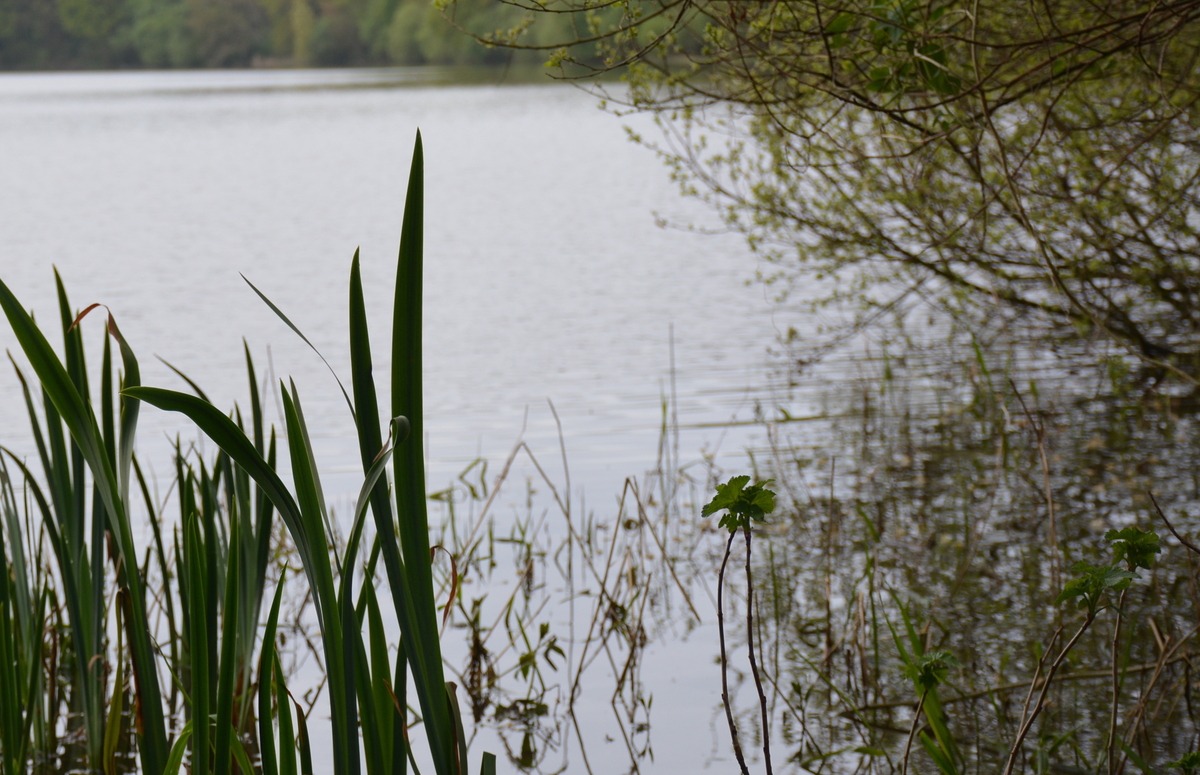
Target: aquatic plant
(214, 574)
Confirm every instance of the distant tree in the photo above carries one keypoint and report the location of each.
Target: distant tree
(1037, 160)
(31, 35)
(335, 41)
(158, 33)
(374, 24)
(227, 33)
(279, 38)
(304, 22)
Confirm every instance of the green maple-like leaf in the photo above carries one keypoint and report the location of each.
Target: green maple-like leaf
(743, 504)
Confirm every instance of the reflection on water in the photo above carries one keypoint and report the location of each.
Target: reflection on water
(961, 510)
(940, 506)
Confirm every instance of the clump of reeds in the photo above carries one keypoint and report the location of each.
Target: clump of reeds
(206, 688)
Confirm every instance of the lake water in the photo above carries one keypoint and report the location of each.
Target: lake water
(547, 277)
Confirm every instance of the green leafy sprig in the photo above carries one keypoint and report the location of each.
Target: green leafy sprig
(742, 504)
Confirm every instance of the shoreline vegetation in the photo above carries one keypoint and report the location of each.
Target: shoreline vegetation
(110, 686)
(178, 34)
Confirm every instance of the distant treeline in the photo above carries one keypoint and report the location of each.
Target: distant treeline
(57, 34)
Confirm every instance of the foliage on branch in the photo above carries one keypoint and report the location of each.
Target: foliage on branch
(1037, 160)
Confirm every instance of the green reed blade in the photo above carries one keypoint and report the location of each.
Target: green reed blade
(380, 689)
(130, 377)
(342, 700)
(10, 705)
(460, 735)
(75, 586)
(34, 701)
(240, 755)
(163, 568)
(175, 759)
(290, 745)
(266, 661)
(196, 570)
(288, 321)
(387, 543)
(228, 664)
(38, 440)
(108, 424)
(263, 511)
(18, 568)
(76, 369)
(423, 644)
(366, 403)
(357, 669)
(116, 707)
(357, 674)
(226, 435)
(304, 518)
(306, 766)
(21, 627)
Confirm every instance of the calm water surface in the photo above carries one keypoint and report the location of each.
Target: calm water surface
(547, 278)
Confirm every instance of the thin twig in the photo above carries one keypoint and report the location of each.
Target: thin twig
(1041, 700)
(912, 733)
(1161, 515)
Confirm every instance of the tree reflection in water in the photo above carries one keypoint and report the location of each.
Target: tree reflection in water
(939, 498)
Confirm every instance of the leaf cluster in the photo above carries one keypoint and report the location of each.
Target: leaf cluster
(743, 505)
(928, 671)
(1189, 762)
(1134, 546)
(1133, 549)
(994, 158)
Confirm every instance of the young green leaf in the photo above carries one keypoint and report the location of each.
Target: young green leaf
(1091, 582)
(1133, 546)
(743, 504)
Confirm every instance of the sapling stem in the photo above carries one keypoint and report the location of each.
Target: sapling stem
(733, 732)
(1111, 746)
(762, 697)
(912, 732)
